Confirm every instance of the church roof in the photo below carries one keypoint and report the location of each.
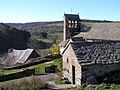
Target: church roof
(63, 43)
(89, 53)
(72, 17)
(103, 31)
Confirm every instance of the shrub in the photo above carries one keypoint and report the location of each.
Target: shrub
(59, 80)
(33, 83)
(36, 83)
(101, 87)
(90, 87)
(115, 87)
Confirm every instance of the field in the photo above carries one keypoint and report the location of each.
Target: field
(39, 68)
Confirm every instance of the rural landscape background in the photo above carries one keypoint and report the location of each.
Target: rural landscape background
(38, 25)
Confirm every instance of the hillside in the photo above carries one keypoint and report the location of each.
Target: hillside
(44, 34)
(50, 32)
(12, 38)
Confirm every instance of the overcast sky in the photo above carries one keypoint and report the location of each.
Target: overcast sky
(21, 11)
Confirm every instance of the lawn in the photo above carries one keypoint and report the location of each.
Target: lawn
(39, 68)
(5, 72)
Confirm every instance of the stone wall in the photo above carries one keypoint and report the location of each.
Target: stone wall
(97, 59)
(69, 59)
(25, 73)
(91, 59)
(97, 70)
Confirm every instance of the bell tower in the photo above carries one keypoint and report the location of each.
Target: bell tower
(71, 25)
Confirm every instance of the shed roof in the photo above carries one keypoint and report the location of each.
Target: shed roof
(17, 56)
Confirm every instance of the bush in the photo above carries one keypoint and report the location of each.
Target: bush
(101, 87)
(115, 87)
(59, 80)
(33, 83)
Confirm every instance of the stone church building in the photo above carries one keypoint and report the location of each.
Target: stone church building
(89, 49)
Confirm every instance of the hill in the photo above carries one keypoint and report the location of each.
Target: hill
(50, 32)
(12, 38)
(44, 34)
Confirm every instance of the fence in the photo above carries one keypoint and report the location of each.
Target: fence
(17, 75)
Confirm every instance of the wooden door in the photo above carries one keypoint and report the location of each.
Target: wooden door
(73, 74)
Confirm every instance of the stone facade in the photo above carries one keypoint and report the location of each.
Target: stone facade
(89, 71)
(71, 25)
(90, 59)
(91, 52)
(69, 60)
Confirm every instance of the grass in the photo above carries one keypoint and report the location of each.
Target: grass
(59, 37)
(33, 83)
(5, 72)
(57, 24)
(40, 68)
(45, 40)
(102, 86)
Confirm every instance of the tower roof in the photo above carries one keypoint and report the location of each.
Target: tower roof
(74, 17)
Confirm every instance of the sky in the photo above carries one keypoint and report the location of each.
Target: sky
(22, 11)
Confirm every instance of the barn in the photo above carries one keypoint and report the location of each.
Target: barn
(19, 56)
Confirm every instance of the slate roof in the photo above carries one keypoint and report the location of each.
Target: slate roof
(72, 17)
(63, 43)
(89, 53)
(17, 56)
(103, 31)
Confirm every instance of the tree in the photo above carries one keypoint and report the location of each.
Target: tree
(55, 49)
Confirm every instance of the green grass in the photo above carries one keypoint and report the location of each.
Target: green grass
(45, 40)
(5, 72)
(40, 68)
(57, 24)
(59, 37)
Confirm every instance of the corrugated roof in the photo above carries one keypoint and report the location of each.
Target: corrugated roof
(21, 55)
(17, 56)
(97, 52)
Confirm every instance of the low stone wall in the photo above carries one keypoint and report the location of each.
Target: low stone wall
(94, 71)
(21, 74)
(26, 64)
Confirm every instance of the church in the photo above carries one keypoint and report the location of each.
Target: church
(89, 49)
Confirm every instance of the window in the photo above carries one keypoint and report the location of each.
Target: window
(67, 60)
